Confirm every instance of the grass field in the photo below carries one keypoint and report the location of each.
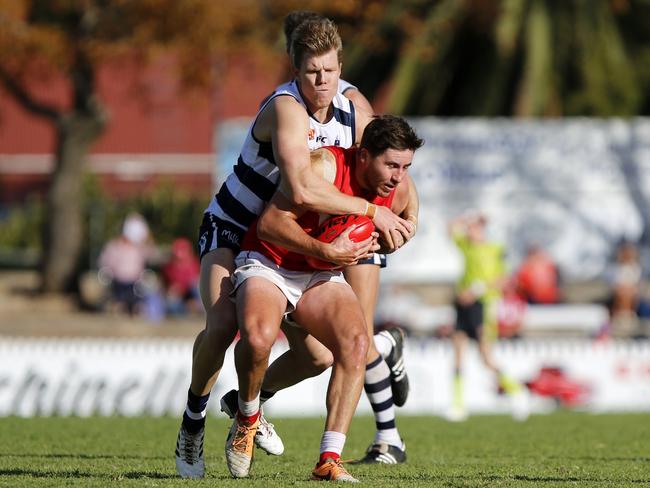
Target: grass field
(563, 449)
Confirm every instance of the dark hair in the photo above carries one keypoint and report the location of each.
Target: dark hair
(293, 20)
(389, 132)
(314, 37)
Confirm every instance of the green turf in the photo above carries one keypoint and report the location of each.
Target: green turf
(563, 449)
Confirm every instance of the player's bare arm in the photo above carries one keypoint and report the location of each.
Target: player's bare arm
(285, 122)
(362, 119)
(412, 208)
(360, 102)
(402, 205)
(278, 225)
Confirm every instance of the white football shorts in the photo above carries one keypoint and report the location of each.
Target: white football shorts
(291, 283)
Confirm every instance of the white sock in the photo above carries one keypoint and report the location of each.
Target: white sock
(384, 344)
(332, 442)
(195, 415)
(389, 436)
(249, 408)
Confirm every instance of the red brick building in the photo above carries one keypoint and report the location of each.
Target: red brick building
(154, 133)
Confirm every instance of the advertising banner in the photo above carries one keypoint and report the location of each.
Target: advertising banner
(150, 377)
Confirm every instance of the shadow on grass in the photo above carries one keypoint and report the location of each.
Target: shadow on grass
(82, 456)
(135, 475)
(465, 480)
(570, 479)
(549, 479)
(47, 473)
(634, 459)
(34, 473)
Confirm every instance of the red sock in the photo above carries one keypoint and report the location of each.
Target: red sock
(328, 455)
(248, 420)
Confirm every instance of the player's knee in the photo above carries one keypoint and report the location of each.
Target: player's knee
(259, 337)
(221, 323)
(355, 349)
(220, 334)
(198, 341)
(362, 342)
(220, 331)
(321, 362)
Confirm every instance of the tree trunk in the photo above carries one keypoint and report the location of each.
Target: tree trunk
(63, 233)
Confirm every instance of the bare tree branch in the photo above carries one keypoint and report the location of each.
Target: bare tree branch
(21, 95)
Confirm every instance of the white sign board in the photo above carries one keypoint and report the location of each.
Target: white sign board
(150, 377)
(574, 186)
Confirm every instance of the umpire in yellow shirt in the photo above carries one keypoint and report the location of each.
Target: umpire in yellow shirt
(477, 296)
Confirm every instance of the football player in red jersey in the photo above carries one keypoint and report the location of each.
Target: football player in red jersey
(274, 279)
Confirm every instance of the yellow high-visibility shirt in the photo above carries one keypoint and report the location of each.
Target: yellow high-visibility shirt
(484, 266)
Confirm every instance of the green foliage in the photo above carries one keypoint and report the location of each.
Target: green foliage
(170, 213)
(562, 449)
(528, 58)
(20, 227)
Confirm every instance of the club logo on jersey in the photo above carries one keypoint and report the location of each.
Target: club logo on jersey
(322, 139)
(311, 134)
(337, 142)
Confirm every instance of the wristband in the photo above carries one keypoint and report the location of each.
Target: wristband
(371, 210)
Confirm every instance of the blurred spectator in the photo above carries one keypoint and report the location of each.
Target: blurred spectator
(181, 276)
(478, 293)
(624, 278)
(537, 277)
(123, 261)
(511, 311)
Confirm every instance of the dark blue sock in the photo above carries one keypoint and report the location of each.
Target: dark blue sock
(265, 395)
(196, 407)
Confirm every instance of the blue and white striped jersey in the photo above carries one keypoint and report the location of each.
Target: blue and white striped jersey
(345, 86)
(255, 177)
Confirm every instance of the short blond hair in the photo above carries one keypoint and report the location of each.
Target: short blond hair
(314, 37)
(293, 20)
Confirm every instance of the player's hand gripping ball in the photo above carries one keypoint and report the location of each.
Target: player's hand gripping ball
(335, 226)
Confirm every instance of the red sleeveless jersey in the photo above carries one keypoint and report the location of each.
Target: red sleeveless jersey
(346, 182)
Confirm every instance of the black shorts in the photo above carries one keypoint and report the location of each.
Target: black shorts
(469, 319)
(215, 233)
(124, 292)
(378, 259)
